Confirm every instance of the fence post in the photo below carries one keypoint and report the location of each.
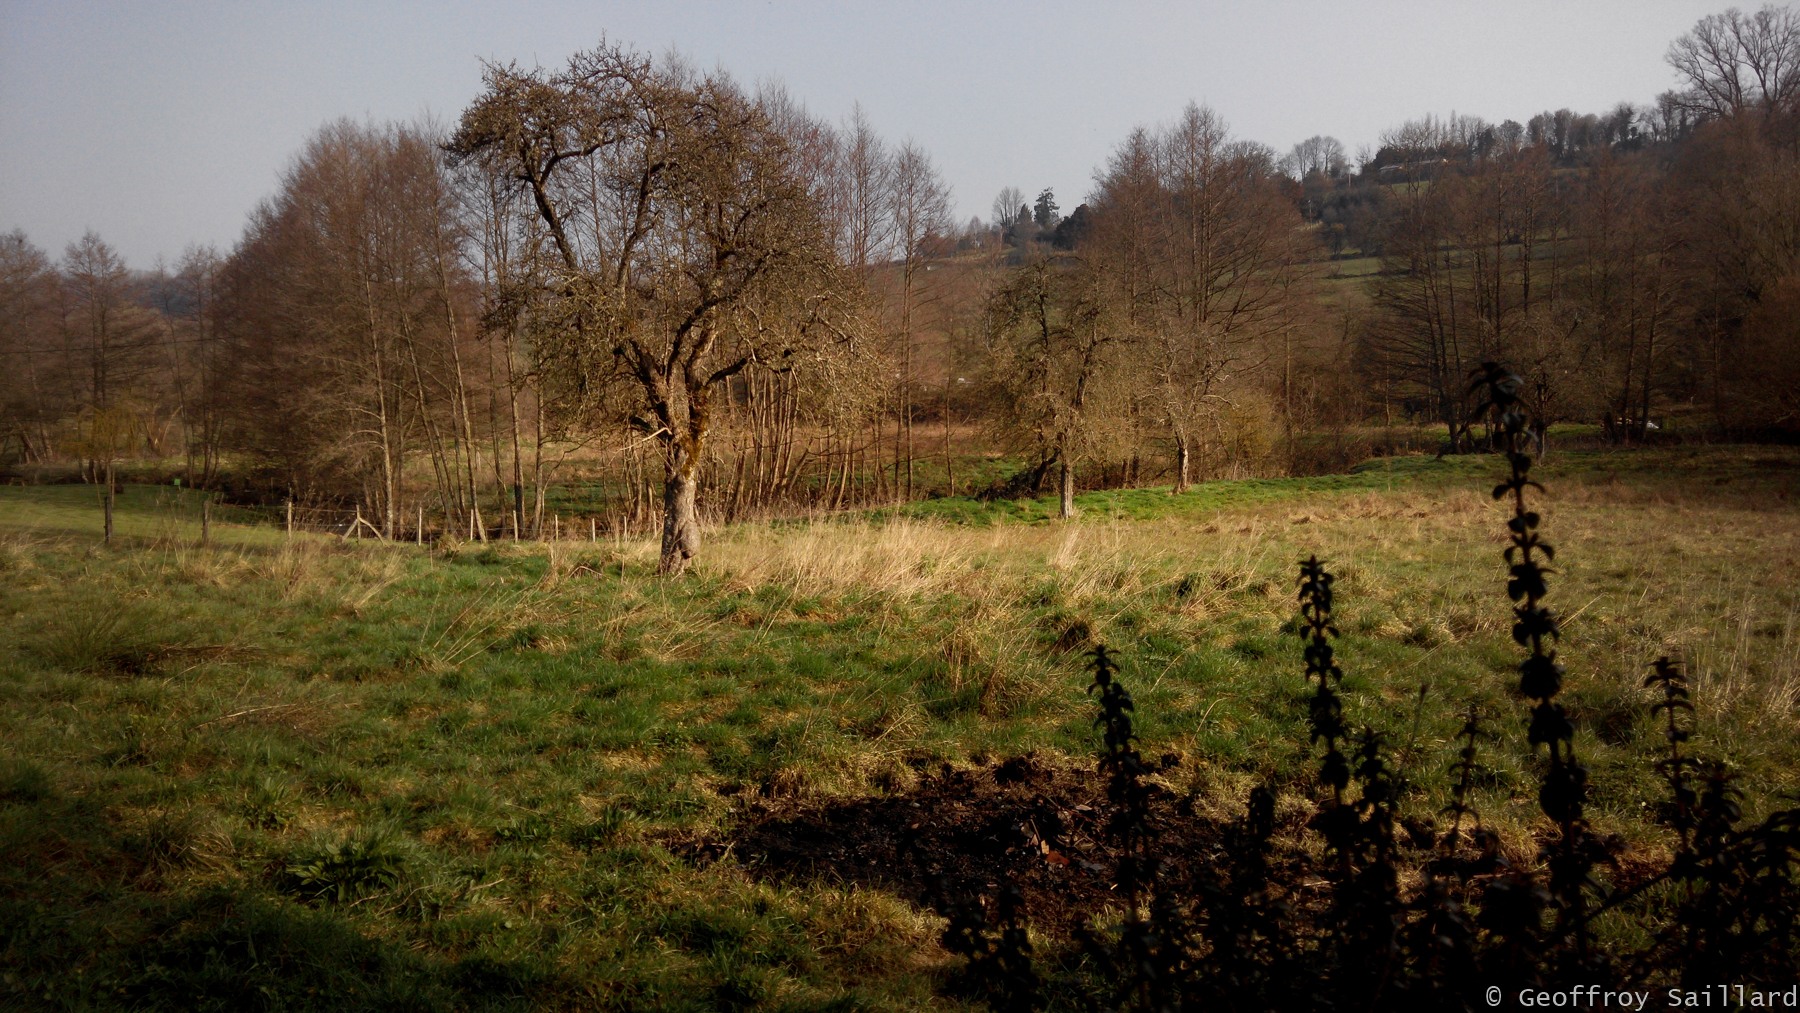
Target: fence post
(559, 527)
(593, 530)
(109, 502)
(419, 532)
(290, 520)
(206, 521)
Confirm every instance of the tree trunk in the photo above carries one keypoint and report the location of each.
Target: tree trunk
(1183, 458)
(1066, 484)
(681, 528)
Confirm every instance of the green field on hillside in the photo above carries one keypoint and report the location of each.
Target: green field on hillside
(310, 773)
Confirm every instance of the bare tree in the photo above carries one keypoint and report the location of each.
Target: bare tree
(338, 312)
(1007, 206)
(1317, 155)
(1737, 200)
(1736, 63)
(197, 275)
(688, 245)
(1052, 369)
(864, 182)
(1624, 294)
(1232, 256)
(919, 203)
(109, 335)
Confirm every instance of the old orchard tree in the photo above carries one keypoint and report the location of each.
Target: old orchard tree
(676, 239)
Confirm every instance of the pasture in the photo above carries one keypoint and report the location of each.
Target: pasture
(310, 773)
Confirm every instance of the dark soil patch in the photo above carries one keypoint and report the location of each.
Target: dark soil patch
(960, 834)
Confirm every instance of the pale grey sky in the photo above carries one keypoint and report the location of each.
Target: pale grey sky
(162, 124)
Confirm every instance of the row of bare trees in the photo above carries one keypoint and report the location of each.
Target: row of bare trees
(1643, 277)
(99, 362)
(641, 287)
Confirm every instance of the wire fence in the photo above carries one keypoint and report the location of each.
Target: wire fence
(422, 526)
(171, 512)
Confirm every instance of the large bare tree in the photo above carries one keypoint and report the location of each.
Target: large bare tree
(687, 241)
(1736, 64)
(1200, 251)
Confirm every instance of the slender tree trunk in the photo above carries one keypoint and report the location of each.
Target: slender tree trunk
(899, 445)
(181, 399)
(1183, 460)
(949, 462)
(389, 480)
(906, 399)
(874, 458)
(518, 465)
(441, 466)
(1066, 487)
(460, 397)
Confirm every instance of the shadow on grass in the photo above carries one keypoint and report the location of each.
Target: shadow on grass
(91, 918)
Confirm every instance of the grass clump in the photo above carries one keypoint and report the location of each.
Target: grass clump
(369, 861)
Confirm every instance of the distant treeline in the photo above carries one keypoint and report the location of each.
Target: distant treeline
(702, 299)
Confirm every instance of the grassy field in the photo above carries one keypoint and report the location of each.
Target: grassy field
(296, 774)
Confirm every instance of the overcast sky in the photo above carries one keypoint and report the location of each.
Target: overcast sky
(162, 124)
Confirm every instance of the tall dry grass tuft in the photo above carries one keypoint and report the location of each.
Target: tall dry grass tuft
(1004, 565)
(366, 576)
(900, 558)
(484, 622)
(17, 550)
(1747, 664)
(296, 569)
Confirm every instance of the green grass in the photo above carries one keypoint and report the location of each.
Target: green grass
(144, 515)
(1352, 267)
(313, 773)
(1382, 475)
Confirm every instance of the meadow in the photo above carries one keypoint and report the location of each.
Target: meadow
(291, 773)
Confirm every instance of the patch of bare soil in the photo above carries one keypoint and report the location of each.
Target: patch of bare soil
(960, 834)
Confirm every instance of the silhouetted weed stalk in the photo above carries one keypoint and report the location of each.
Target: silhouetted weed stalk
(1572, 856)
(1387, 911)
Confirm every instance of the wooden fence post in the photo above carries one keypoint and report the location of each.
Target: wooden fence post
(290, 520)
(206, 521)
(419, 532)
